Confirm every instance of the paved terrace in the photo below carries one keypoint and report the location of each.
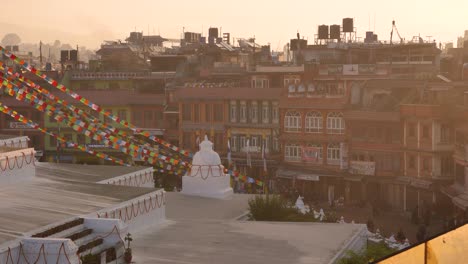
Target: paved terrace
(59, 192)
(202, 230)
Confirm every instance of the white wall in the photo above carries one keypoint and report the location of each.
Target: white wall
(16, 142)
(356, 243)
(53, 250)
(141, 178)
(17, 166)
(139, 213)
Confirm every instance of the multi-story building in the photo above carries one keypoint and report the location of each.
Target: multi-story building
(249, 117)
(428, 144)
(375, 142)
(458, 191)
(12, 127)
(142, 110)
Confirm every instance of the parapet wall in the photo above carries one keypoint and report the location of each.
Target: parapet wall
(142, 178)
(139, 213)
(15, 142)
(17, 165)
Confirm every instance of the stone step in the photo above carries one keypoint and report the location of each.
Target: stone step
(83, 237)
(61, 230)
(91, 247)
(68, 232)
(80, 234)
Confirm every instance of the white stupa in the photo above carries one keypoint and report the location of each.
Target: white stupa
(206, 177)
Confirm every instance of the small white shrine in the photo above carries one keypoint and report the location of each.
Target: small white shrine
(300, 206)
(206, 177)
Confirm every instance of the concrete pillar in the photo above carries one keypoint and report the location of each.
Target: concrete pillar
(419, 205)
(404, 198)
(364, 191)
(347, 192)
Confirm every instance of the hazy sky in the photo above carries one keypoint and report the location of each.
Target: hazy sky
(88, 22)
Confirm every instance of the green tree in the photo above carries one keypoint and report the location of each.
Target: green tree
(372, 253)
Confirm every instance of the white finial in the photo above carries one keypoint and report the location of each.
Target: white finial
(206, 138)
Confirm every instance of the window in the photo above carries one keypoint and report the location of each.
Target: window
(148, 117)
(292, 121)
(411, 162)
(122, 114)
(196, 113)
(158, 117)
(243, 112)
(319, 149)
(36, 116)
(335, 123)
(242, 143)
(137, 118)
(81, 139)
(411, 130)
(444, 133)
(425, 132)
(333, 152)
(254, 142)
(292, 152)
(187, 112)
(233, 112)
(218, 113)
(446, 166)
(275, 113)
(265, 113)
(426, 162)
(253, 112)
(276, 145)
(208, 112)
(234, 143)
(260, 82)
(313, 122)
(114, 86)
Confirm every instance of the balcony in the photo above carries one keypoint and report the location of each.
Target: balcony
(461, 152)
(443, 146)
(108, 75)
(281, 69)
(362, 167)
(353, 69)
(315, 91)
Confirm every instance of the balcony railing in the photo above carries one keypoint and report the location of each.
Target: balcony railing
(108, 75)
(353, 69)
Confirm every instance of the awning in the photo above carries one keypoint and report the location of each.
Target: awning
(308, 177)
(461, 201)
(354, 178)
(299, 174)
(450, 191)
(423, 184)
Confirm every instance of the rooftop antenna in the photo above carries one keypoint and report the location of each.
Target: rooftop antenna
(374, 22)
(368, 15)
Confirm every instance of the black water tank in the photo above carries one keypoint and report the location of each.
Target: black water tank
(335, 31)
(323, 32)
(64, 56)
(213, 33)
(74, 55)
(348, 25)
